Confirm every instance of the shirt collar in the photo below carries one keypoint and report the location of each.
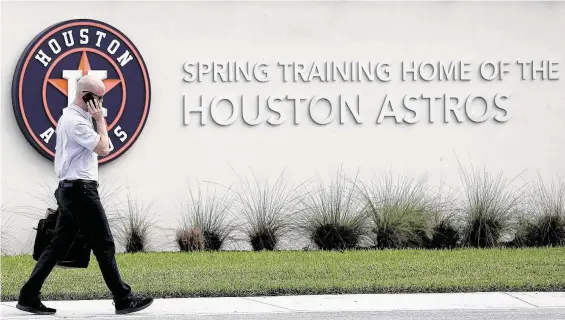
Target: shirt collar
(82, 112)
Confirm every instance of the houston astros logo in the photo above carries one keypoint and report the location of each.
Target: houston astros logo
(46, 77)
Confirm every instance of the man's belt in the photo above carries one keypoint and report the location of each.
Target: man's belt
(70, 183)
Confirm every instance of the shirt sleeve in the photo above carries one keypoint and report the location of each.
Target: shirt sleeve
(85, 135)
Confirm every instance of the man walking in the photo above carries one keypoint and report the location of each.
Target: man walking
(76, 165)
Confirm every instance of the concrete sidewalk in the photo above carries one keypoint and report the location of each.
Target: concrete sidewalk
(547, 305)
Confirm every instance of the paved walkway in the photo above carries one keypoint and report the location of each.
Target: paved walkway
(496, 305)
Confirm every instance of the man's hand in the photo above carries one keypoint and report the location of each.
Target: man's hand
(95, 110)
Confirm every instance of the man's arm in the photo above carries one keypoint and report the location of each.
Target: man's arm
(95, 110)
(103, 146)
(96, 141)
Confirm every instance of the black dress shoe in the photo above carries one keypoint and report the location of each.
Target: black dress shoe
(34, 306)
(131, 304)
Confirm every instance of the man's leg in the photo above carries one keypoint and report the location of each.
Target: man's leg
(102, 243)
(65, 232)
(95, 225)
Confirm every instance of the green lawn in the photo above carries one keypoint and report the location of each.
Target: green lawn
(297, 272)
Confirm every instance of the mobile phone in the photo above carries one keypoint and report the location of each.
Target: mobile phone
(88, 97)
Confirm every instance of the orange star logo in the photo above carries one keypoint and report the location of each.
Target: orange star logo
(84, 65)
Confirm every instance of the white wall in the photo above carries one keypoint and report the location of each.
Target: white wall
(168, 34)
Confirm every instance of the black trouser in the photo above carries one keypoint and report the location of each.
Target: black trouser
(80, 210)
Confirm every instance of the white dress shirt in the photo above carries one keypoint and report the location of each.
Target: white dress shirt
(76, 139)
